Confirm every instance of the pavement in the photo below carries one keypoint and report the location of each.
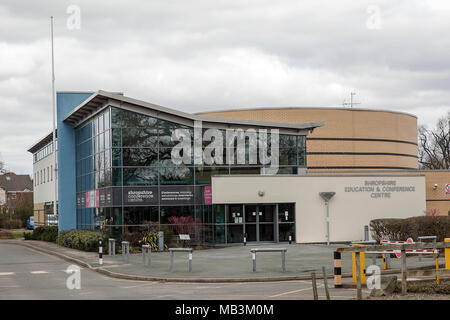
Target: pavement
(228, 264)
(27, 273)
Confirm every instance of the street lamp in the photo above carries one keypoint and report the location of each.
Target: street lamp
(326, 196)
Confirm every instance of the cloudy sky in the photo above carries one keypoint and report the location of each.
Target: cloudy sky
(215, 54)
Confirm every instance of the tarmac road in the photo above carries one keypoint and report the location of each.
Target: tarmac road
(29, 274)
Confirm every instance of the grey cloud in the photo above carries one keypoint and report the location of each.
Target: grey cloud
(205, 55)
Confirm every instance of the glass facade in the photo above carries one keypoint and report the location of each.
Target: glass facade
(126, 179)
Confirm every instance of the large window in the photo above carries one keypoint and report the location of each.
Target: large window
(122, 154)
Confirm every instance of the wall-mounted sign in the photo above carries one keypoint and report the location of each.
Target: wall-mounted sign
(207, 193)
(447, 189)
(140, 196)
(380, 188)
(170, 195)
(105, 197)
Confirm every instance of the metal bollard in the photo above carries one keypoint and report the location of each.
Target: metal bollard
(100, 252)
(254, 261)
(111, 246)
(147, 251)
(245, 240)
(126, 251)
(366, 233)
(190, 261)
(161, 241)
(290, 239)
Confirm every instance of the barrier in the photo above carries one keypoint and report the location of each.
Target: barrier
(100, 252)
(173, 250)
(283, 256)
(126, 251)
(419, 239)
(337, 269)
(447, 255)
(403, 248)
(147, 252)
(111, 246)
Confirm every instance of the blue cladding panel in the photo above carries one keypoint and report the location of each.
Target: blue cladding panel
(66, 102)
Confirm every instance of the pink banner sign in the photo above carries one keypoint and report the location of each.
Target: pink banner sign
(208, 194)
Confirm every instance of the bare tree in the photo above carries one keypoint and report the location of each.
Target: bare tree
(434, 145)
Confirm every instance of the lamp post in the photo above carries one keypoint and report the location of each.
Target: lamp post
(326, 196)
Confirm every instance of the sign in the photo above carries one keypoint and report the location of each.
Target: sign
(105, 197)
(447, 189)
(140, 195)
(184, 237)
(207, 194)
(170, 195)
(380, 188)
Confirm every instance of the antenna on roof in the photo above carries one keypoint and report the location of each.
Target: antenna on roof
(54, 121)
(351, 101)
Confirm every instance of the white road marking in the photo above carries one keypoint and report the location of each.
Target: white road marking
(7, 273)
(38, 272)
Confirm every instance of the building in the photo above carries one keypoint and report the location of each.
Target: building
(355, 141)
(124, 164)
(13, 189)
(44, 181)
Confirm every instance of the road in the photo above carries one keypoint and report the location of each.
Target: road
(29, 274)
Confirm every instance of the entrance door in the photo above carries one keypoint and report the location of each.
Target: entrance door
(259, 222)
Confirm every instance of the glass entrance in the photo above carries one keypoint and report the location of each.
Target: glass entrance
(259, 222)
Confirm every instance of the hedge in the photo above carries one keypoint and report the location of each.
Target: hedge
(414, 227)
(45, 233)
(86, 240)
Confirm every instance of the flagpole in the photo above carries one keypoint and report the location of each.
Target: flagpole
(55, 173)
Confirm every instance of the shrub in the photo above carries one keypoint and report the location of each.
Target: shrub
(133, 238)
(401, 229)
(44, 233)
(7, 223)
(86, 240)
(151, 238)
(6, 235)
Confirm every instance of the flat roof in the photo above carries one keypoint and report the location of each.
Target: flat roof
(42, 142)
(98, 99)
(305, 107)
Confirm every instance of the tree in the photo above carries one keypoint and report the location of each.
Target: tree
(434, 145)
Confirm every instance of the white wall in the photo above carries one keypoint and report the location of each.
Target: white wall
(44, 192)
(349, 211)
(2, 197)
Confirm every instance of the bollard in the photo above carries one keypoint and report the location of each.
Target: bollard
(100, 252)
(366, 233)
(111, 246)
(254, 261)
(362, 263)
(290, 239)
(190, 261)
(447, 255)
(126, 251)
(337, 270)
(147, 250)
(161, 241)
(245, 240)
